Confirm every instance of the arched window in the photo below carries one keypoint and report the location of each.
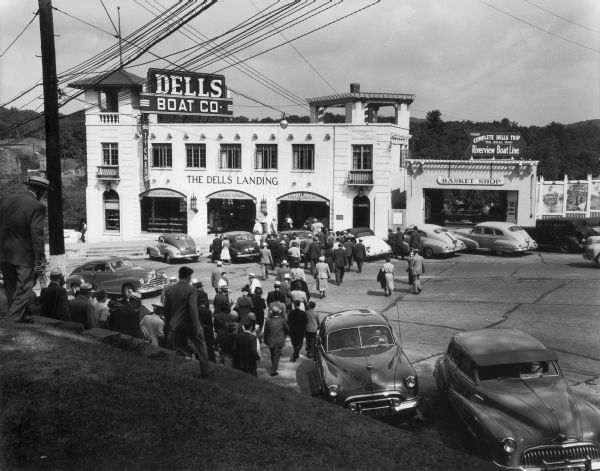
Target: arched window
(112, 212)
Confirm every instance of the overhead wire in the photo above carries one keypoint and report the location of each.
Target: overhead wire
(539, 28)
(561, 17)
(35, 14)
(304, 58)
(248, 70)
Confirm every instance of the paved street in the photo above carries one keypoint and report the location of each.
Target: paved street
(555, 297)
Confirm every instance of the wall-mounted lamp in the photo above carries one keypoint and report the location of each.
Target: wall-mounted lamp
(136, 135)
(309, 137)
(263, 206)
(220, 136)
(254, 137)
(194, 203)
(237, 137)
(202, 136)
(186, 135)
(293, 183)
(309, 184)
(290, 137)
(168, 180)
(327, 137)
(273, 137)
(152, 135)
(154, 180)
(169, 136)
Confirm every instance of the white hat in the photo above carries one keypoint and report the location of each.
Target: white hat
(251, 275)
(287, 275)
(219, 263)
(173, 278)
(194, 281)
(284, 262)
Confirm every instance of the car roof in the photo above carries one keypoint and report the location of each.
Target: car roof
(173, 234)
(234, 233)
(430, 227)
(497, 224)
(107, 260)
(353, 318)
(498, 346)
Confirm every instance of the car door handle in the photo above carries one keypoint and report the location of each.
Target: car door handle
(477, 398)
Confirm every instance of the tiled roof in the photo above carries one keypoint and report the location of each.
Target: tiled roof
(118, 78)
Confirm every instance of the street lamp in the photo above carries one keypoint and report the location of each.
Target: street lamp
(194, 203)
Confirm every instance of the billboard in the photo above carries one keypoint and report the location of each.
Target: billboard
(186, 93)
(495, 145)
(552, 198)
(577, 194)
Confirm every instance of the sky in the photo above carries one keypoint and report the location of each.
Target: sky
(531, 61)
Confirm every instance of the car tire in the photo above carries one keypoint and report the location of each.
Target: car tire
(168, 259)
(499, 252)
(127, 289)
(597, 259)
(564, 247)
(427, 252)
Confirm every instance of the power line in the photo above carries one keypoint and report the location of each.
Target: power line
(539, 28)
(562, 17)
(303, 58)
(19, 35)
(85, 22)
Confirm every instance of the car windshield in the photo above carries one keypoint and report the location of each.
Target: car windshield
(181, 237)
(516, 229)
(122, 264)
(241, 237)
(359, 337)
(527, 370)
(440, 230)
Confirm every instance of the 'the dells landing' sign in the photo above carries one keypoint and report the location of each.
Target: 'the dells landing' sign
(174, 92)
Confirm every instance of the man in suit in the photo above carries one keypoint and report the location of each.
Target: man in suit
(276, 330)
(126, 315)
(54, 302)
(246, 349)
(82, 309)
(182, 323)
(215, 275)
(314, 252)
(339, 262)
(22, 244)
(360, 253)
(416, 267)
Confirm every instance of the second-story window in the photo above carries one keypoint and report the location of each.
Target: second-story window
(266, 157)
(162, 156)
(230, 156)
(110, 153)
(362, 157)
(303, 156)
(195, 155)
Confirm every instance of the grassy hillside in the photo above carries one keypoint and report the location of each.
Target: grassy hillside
(69, 402)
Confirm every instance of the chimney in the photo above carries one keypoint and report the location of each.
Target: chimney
(355, 88)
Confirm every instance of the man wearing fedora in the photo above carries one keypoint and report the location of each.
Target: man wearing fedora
(82, 309)
(22, 243)
(182, 323)
(54, 301)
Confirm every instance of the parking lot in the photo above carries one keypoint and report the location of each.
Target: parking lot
(555, 297)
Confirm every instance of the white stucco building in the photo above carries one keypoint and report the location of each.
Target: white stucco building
(207, 177)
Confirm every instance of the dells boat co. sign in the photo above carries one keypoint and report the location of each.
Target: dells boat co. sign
(174, 92)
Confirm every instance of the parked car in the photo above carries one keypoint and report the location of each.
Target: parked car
(117, 275)
(508, 390)
(500, 237)
(566, 235)
(242, 245)
(591, 249)
(376, 247)
(437, 240)
(361, 366)
(173, 246)
(291, 234)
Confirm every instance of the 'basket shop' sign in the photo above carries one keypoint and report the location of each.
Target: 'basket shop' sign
(174, 92)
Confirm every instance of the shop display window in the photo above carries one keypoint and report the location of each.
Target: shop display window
(112, 212)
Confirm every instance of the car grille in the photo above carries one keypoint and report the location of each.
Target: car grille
(535, 457)
(153, 284)
(371, 402)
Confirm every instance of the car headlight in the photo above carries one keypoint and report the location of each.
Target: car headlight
(333, 390)
(509, 445)
(142, 281)
(411, 382)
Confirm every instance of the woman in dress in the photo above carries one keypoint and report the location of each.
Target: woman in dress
(322, 274)
(225, 255)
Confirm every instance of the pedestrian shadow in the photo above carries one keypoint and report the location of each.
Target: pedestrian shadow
(306, 377)
(375, 293)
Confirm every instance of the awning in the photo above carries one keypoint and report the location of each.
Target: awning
(231, 195)
(303, 196)
(162, 193)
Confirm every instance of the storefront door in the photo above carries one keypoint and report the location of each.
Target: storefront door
(163, 210)
(230, 210)
(303, 208)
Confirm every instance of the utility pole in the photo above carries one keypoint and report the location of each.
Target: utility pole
(51, 120)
